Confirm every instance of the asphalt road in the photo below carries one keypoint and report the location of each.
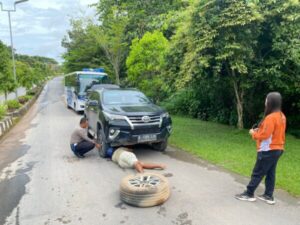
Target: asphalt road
(42, 183)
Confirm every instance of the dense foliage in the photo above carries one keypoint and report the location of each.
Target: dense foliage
(144, 63)
(13, 104)
(209, 59)
(3, 111)
(82, 50)
(30, 70)
(7, 83)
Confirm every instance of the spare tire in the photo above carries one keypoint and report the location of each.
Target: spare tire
(144, 190)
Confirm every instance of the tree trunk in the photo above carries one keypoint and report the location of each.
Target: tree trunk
(117, 73)
(5, 95)
(114, 62)
(239, 95)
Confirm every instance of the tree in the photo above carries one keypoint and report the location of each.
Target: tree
(142, 15)
(222, 39)
(31, 59)
(25, 75)
(82, 48)
(122, 21)
(7, 83)
(145, 62)
(278, 55)
(177, 50)
(34, 69)
(111, 40)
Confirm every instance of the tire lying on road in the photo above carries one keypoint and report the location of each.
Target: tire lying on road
(144, 190)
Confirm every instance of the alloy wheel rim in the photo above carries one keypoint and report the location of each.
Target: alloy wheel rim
(144, 181)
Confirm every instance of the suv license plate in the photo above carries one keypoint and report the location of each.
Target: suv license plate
(147, 137)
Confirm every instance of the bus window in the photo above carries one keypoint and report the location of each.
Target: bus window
(86, 82)
(70, 80)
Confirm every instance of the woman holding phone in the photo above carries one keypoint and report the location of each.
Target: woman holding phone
(270, 140)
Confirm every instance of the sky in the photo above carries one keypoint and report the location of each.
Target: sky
(39, 25)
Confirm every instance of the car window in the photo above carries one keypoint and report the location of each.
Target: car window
(124, 97)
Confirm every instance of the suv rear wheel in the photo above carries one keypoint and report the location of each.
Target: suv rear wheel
(161, 146)
(101, 141)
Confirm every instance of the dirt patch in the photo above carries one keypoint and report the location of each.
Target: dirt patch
(63, 220)
(162, 211)
(183, 219)
(120, 205)
(168, 174)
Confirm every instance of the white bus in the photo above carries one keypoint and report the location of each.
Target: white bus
(77, 83)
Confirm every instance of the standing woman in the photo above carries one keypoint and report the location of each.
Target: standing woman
(270, 139)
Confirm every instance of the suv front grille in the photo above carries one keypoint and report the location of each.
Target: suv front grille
(144, 120)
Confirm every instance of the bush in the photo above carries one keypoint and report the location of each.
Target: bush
(13, 105)
(179, 103)
(198, 102)
(295, 132)
(3, 110)
(24, 99)
(32, 92)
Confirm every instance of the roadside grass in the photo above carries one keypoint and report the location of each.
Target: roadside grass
(234, 149)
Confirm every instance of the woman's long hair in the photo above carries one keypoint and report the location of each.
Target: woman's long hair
(274, 101)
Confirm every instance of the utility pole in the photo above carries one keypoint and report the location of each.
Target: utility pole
(11, 40)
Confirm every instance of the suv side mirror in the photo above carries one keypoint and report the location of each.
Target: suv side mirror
(93, 103)
(151, 100)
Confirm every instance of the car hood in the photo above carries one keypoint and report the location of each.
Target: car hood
(133, 110)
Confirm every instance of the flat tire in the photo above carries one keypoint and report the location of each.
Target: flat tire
(144, 190)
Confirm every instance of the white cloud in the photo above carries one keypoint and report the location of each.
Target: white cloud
(46, 4)
(88, 2)
(39, 25)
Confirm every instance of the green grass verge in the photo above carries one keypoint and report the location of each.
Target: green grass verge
(234, 149)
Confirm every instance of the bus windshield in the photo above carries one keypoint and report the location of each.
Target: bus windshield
(87, 81)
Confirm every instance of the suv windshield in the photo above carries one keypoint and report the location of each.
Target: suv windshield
(124, 97)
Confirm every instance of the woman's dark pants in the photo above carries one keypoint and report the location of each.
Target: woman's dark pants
(83, 147)
(265, 166)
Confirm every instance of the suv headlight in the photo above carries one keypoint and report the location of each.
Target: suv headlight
(109, 116)
(165, 115)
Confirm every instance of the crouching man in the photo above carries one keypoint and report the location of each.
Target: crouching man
(125, 158)
(80, 142)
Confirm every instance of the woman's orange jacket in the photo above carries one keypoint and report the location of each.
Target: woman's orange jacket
(271, 133)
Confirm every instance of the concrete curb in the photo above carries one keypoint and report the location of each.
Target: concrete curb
(5, 124)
